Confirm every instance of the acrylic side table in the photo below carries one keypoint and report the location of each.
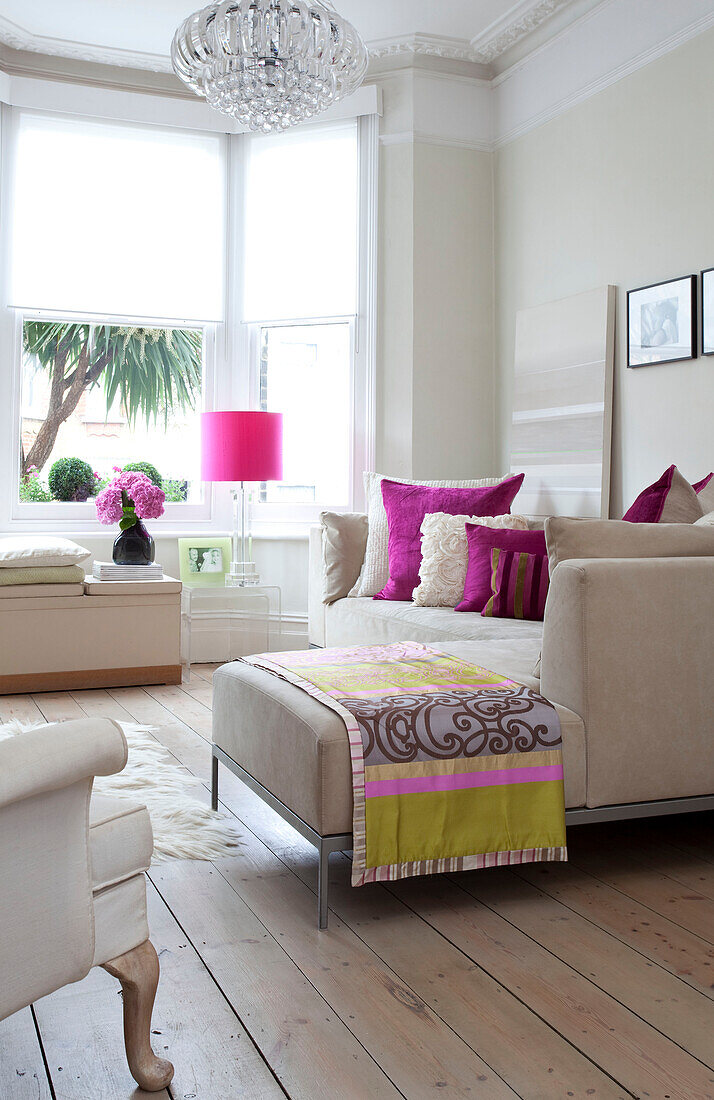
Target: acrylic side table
(253, 615)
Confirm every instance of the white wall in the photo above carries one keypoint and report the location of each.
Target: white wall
(435, 296)
(619, 189)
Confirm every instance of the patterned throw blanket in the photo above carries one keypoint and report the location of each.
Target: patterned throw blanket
(453, 767)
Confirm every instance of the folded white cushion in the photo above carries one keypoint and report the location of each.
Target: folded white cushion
(19, 551)
(705, 521)
(375, 568)
(445, 555)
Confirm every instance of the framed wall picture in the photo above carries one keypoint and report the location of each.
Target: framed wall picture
(708, 311)
(204, 561)
(662, 322)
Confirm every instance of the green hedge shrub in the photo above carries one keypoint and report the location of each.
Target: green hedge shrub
(71, 479)
(146, 468)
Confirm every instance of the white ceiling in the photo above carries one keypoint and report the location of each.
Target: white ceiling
(147, 26)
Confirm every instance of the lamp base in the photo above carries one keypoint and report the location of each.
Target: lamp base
(243, 574)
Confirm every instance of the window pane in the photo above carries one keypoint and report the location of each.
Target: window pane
(305, 373)
(117, 219)
(301, 224)
(129, 372)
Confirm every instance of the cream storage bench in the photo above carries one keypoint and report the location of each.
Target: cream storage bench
(93, 634)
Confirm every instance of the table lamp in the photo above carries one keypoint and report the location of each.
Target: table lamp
(243, 447)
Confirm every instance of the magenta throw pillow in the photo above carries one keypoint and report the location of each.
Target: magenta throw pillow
(519, 585)
(406, 506)
(481, 542)
(699, 485)
(650, 503)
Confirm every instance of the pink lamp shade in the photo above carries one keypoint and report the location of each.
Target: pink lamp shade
(242, 446)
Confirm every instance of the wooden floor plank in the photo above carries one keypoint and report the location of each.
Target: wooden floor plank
(312, 1052)
(19, 707)
(58, 706)
(205, 671)
(416, 1051)
(22, 1070)
(629, 1050)
(654, 936)
(194, 1025)
(98, 703)
(188, 710)
(689, 909)
(198, 689)
(654, 994)
(485, 1014)
(641, 847)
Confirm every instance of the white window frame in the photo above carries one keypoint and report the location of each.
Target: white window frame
(64, 516)
(273, 518)
(229, 356)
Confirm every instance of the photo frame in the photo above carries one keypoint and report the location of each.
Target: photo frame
(662, 322)
(707, 311)
(204, 561)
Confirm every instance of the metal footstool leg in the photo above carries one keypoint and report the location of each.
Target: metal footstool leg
(325, 845)
(214, 782)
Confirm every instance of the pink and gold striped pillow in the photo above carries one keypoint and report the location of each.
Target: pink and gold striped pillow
(519, 585)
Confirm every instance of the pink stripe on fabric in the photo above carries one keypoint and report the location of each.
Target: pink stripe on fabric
(376, 788)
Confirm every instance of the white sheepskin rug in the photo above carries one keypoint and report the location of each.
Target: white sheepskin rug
(184, 827)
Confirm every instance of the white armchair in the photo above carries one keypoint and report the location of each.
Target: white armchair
(72, 886)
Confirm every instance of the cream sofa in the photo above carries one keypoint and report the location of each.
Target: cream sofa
(627, 647)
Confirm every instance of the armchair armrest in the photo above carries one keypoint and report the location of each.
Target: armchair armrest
(56, 756)
(46, 909)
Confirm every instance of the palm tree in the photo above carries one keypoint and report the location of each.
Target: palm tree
(151, 371)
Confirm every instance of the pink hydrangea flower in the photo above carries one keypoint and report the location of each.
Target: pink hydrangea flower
(140, 492)
(109, 509)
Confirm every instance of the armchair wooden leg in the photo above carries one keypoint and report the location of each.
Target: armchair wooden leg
(138, 972)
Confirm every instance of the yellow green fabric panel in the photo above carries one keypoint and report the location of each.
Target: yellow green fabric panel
(461, 822)
(47, 574)
(400, 676)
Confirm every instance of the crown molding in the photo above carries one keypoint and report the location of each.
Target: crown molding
(17, 38)
(511, 28)
(427, 45)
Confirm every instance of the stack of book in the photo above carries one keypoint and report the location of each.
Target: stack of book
(108, 571)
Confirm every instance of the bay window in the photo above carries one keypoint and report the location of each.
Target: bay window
(151, 273)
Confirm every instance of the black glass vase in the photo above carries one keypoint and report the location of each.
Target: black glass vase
(134, 546)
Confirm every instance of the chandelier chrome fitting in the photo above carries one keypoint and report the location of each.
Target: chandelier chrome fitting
(269, 64)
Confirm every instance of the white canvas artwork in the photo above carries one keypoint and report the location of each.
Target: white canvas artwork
(562, 405)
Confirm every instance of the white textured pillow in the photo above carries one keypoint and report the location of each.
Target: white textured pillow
(18, 551)
(706, 520)
(445, 555)
(375, 568)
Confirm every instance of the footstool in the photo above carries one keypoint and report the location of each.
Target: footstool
(293, 751)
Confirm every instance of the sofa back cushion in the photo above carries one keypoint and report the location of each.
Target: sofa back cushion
(374, 573)
(344, 538)
(614, 538)
(406, 506)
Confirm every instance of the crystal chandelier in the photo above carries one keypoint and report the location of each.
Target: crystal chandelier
(269, 63)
